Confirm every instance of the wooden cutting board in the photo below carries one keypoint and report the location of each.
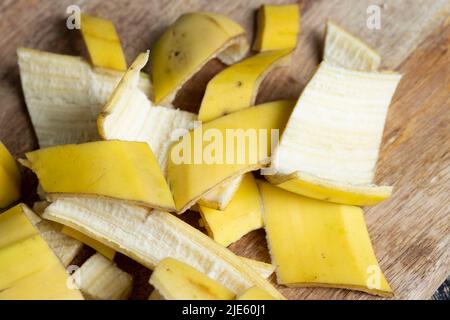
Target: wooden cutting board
(410, 231)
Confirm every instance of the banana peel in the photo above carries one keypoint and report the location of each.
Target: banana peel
(29, 270)
(334, 159)
(103, 43)
(277, 27)
(190, 176)
(149, 237)
(105, 251)
(119, 170)
(64, 95)
(318, 243)
(242, 215)
(236, 87)
(9, 178)
(100, 279)
(175, 280)
(347, 51)
(187, 45)
(130, 116)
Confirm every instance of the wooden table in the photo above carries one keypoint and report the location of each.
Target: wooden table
(410, 231)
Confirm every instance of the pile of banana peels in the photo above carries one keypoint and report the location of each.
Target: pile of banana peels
(119, 163)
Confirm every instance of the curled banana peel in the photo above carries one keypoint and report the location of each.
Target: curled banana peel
(130, 116)
(100, 279)
(347, 51)
(105, 251)
(187, 45)
(334, 159)
(149, 237)
(317, 243)
(241, 216)
(175, 280)
(9, 178)
(120, 170)
(29, 270)
(64, 95)
(236, 87)
(277, 27)
(237, 147)
(255, 293)
(103, 43)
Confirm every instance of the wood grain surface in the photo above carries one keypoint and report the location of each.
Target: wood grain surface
(410, 232)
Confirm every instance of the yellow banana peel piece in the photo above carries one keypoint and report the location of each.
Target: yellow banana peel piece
(331, 142)
(322, 189)
(186, 46)
(345, 50)
(64, 95)
(28, 267)
(103, 43)
(175, 280)
(240, 142)
(241, 216)
(277, 27)
(236, 87)
(94, 244)
(255, 293)
(9, 178)
(114, 169)
(318, 243)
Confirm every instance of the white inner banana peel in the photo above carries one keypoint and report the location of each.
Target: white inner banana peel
(64, 95)
(330, 146)
(129, 115)
(149, 237)
(241, 216)
(28, 267)
(196, 167)
(345, 50)
(9, 178)
(103, 43)
(186, 46)
(120, 170)
(100, 279)
(175, 280)
(318, 243)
